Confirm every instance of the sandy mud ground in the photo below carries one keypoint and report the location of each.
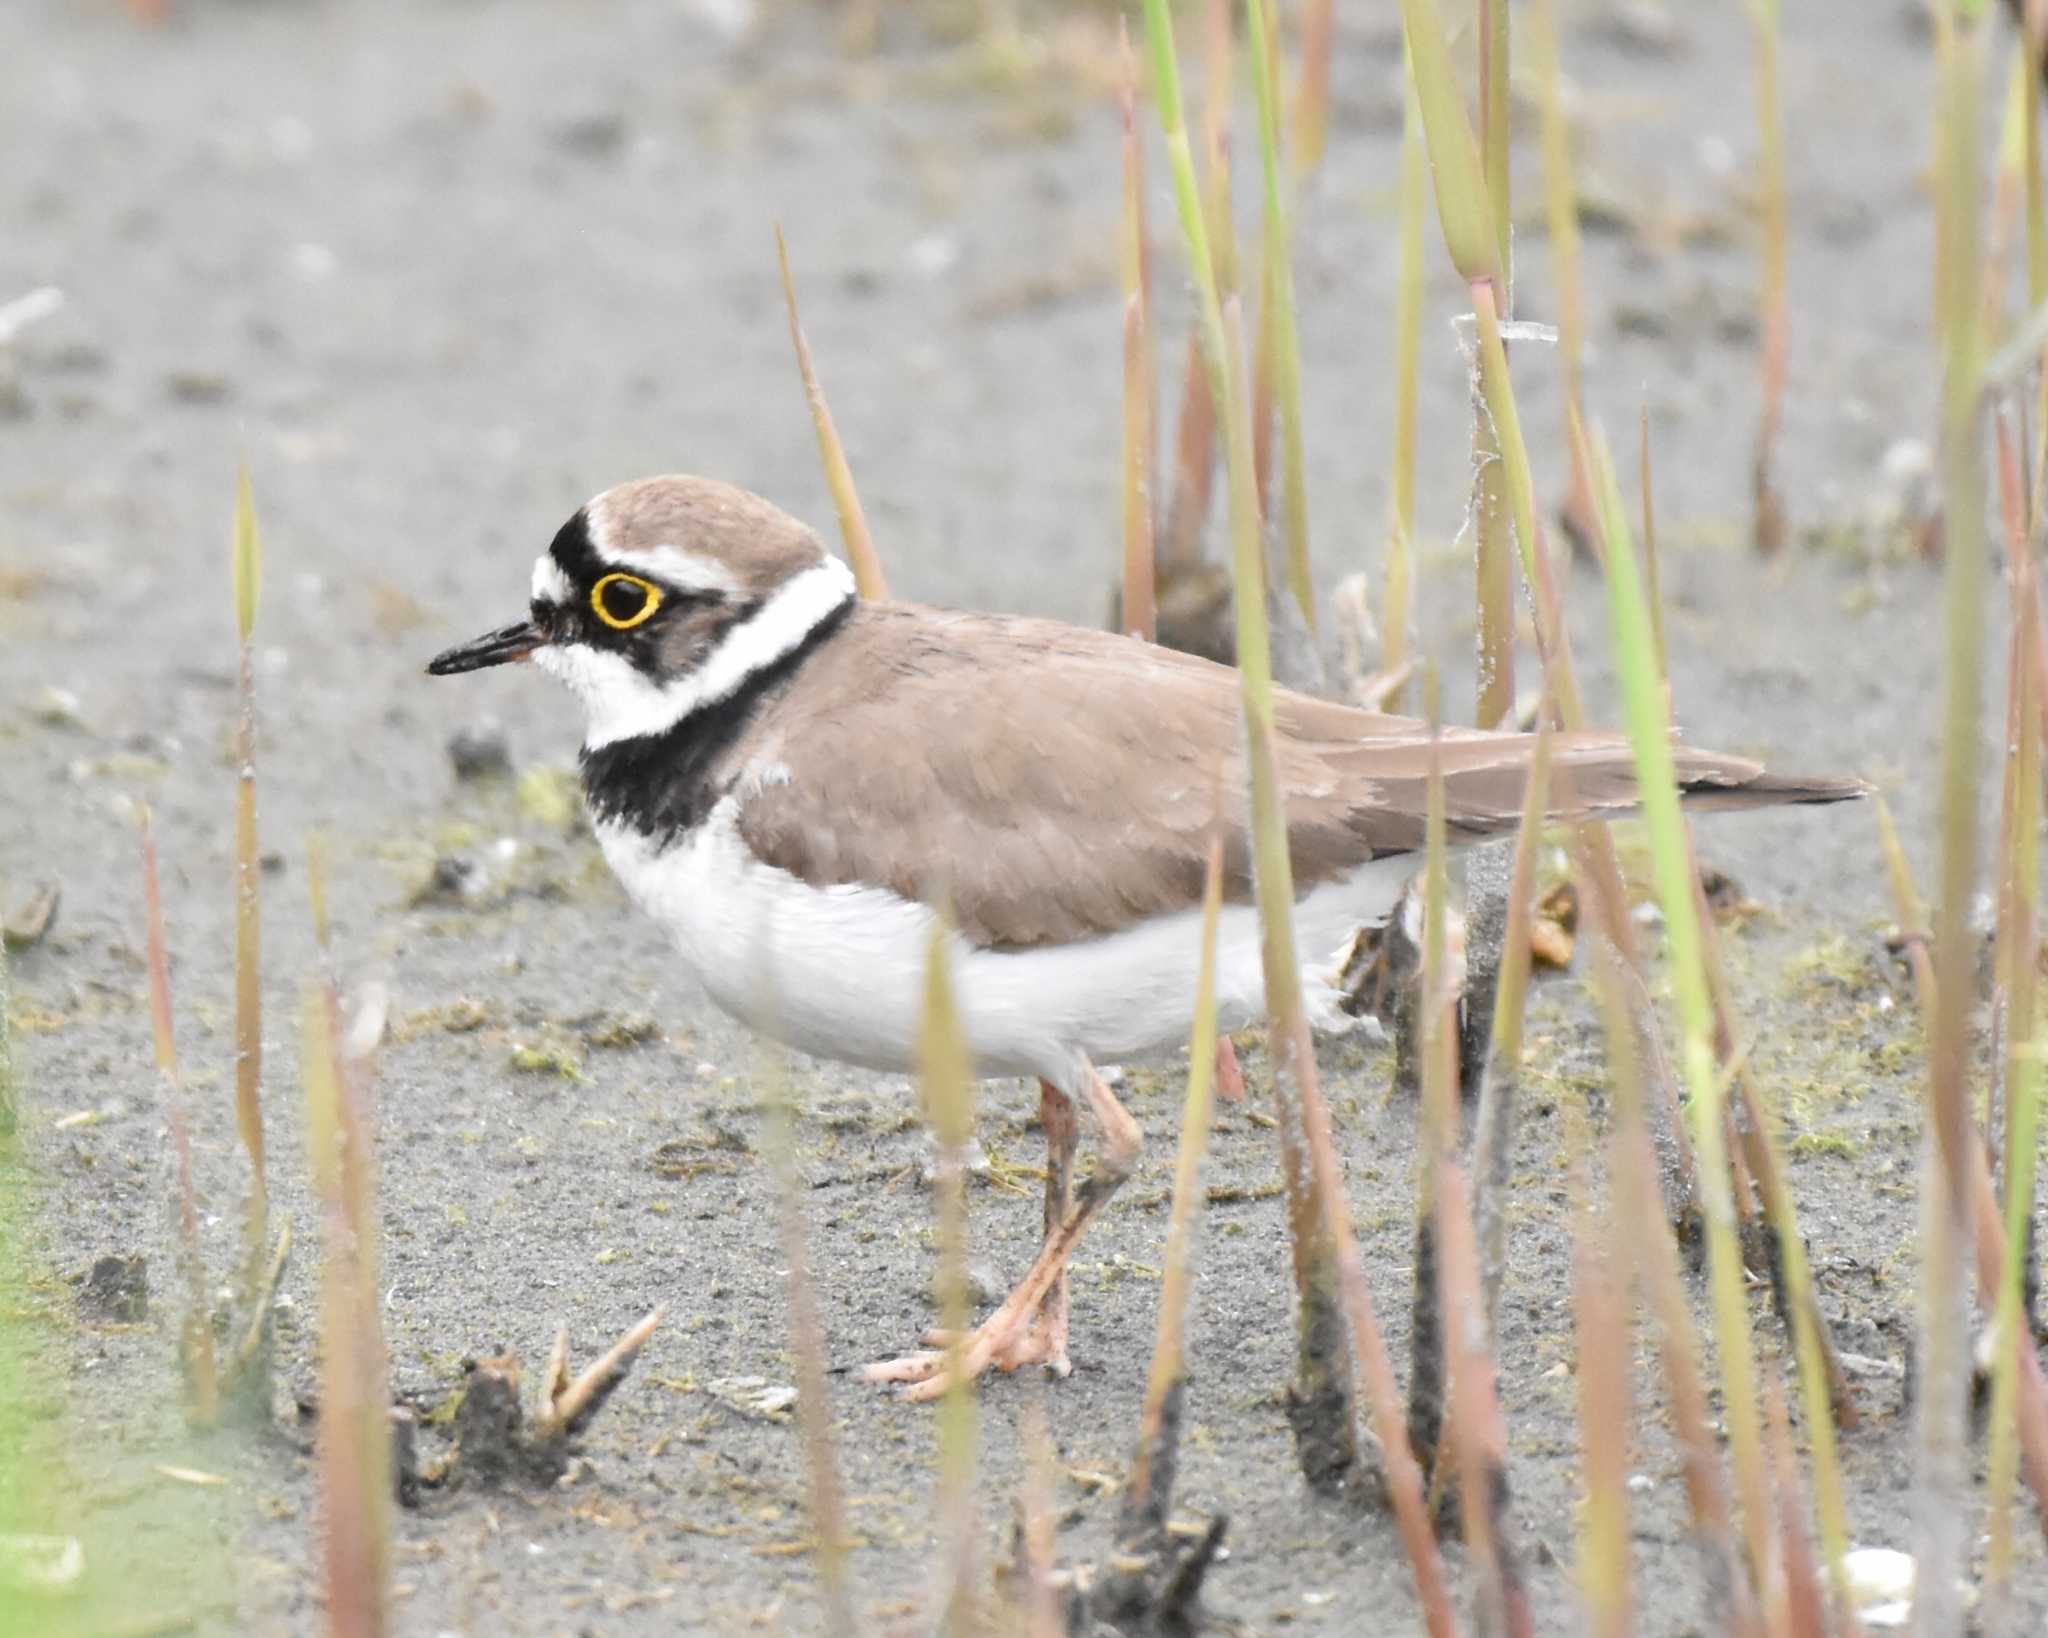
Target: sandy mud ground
(443, 270)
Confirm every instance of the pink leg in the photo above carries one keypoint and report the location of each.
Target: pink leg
(1030, 1327)
(1046, 1342)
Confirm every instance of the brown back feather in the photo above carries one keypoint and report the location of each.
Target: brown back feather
(1052, 783)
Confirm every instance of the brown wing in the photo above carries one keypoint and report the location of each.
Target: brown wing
(1051, 783)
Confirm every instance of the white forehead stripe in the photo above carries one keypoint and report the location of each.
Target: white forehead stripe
(622, 702)
(677, 565)
(685, 570)
(550, 585)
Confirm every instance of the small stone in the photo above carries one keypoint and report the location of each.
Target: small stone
(480, 751)
(118, 1287)
(1643, 28)
(612, 1032)
(29, 921)
(591, 136)
(455, 879)
(405, 1455)
(754, 1396)
(984, 1285)
(56, 707)
(198, 386)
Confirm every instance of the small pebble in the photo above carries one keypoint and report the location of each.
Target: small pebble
(1643, 28)
(56, 707)
(118, 1287)
(456, 879)
(480, 751)
(591, 136)
(985, 1286)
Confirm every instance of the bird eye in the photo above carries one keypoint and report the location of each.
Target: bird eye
(623, 601)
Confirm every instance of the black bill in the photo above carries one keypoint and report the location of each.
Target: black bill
(505, 644)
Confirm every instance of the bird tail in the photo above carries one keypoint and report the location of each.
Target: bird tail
(1710, 783)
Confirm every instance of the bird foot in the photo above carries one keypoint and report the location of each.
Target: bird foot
(1043, 1342)
(925, 1374)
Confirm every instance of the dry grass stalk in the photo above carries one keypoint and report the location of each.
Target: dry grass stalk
(1219, 92)
(1263, 374)
(567, 1405)
(2014, 985)
(1493, 566)
(1319, 1404)
(1825, 1389)
(2020, 876)
(355, 1435)
(1945, 1225)
(1400, 1472)
(943, 1071)
(1149, 1491)
(1632, 1163)
(1561, 223)
(1043, 1617)
(1194, 461)
(1436, 1013)
(1493, 1125)
(1758, 1155)
(1799, 1609)
(1478, 1431)
(1600, 1326)
(1824, 1384)
(825, 1494)
(1319, 1226)
(1311, 121)
(1195, 438)
(195, 1332)
(1467, 218)
(1394, 653)
(1323, 1429)
(248, 572)
(2033, 19)
(2031, 1389)
(1279, 334)
(2006, 196)
(1653, 574)
(1463, 1318)
(1769, 513)
(853, 523)
(1139, 612)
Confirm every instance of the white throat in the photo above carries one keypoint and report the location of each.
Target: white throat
(622, 702)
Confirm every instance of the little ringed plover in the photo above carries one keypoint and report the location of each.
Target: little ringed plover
(789, 781)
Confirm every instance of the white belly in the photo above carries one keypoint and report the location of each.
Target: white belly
(839, 971)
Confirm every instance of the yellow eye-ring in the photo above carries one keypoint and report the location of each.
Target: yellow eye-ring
(623, 601)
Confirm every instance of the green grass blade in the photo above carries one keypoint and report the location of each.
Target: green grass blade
(1647, 719)
(1286, 336)
(1462, 206)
